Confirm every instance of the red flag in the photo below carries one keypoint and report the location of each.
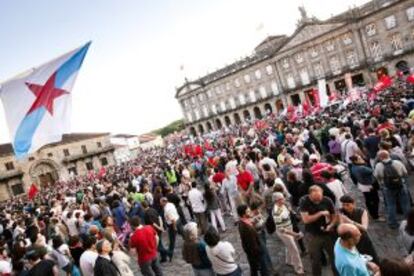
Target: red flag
(410, 79)
(32, 191)
(102, 172)
(198, 150)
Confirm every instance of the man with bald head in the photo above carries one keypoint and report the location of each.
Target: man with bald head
(318, 215)
(348, 261)
(391, 175)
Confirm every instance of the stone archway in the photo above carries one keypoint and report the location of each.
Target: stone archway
(219, 125)
(268, 108)
(227, 121)
(402, 65)
(200, 129)
(237, 119)
(44, 172)
(381, 71)
(193, 131)
(279, 105)
(209, 126)
(246, 115)
(257, 112)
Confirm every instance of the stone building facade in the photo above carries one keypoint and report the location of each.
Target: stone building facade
(363, 42)
(75, 154)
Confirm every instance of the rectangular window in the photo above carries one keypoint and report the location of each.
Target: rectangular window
(274, 88)
(9, 166)
(258, 74)
(290, 81)
(352, 59)
(317, 67)
(84, 150)
(246, 78)
(335, 65)
(376, 50)
(104, 161)
(262, 91)
(252, 96)
(269, 69)
(390, 22)
(66, 152)
(304, 77)
(49, 154)
(73, 171)
(89, 166)
(31, 158)
(99, 144)
(410, 13)
(17, 189)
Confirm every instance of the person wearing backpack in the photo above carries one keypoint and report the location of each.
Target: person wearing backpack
(391, 174)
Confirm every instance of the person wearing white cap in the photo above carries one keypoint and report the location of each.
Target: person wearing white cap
(284, 230)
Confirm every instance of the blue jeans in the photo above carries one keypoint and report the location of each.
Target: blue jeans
(391, 200)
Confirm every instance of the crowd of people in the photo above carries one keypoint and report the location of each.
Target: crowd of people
(282, 179)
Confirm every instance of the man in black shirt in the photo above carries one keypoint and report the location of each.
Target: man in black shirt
(40, 267)
(318, 215)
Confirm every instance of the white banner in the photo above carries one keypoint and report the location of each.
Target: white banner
(323, 96)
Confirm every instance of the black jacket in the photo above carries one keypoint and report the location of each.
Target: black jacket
(105, 267)
(249, 239)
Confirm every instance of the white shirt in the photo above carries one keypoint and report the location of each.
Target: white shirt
(338, 189)
(221, 257)
(197, 200)
(349, 148)
(170, 213)
(229, 186)
(87, 262)
(5, 267)
(71, 224)
(231, 167)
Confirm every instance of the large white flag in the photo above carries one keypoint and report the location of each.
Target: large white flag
(37, 103)
(323, 96)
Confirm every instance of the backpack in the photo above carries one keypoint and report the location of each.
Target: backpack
(392, 180)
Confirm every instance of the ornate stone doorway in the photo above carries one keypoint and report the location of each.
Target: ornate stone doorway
(44, 172)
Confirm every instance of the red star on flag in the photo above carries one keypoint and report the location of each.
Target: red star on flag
(45, 94)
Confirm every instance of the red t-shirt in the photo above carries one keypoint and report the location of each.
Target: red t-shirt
(144, 241)
(218, 177)
(244, 179)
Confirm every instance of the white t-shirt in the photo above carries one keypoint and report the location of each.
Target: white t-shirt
(87, 262)
(349, 148)
(170, 213)
(338, 190)
(5, 267)
(71, 224)
(221, 257)
(197, 200)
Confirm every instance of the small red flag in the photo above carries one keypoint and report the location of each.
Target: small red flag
(32, 191)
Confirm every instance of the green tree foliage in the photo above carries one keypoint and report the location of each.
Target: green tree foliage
(170, 128)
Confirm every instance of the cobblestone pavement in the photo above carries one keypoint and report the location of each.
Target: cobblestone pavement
(385, 241)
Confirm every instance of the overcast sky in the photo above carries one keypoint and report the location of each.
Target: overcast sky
(128, 79)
